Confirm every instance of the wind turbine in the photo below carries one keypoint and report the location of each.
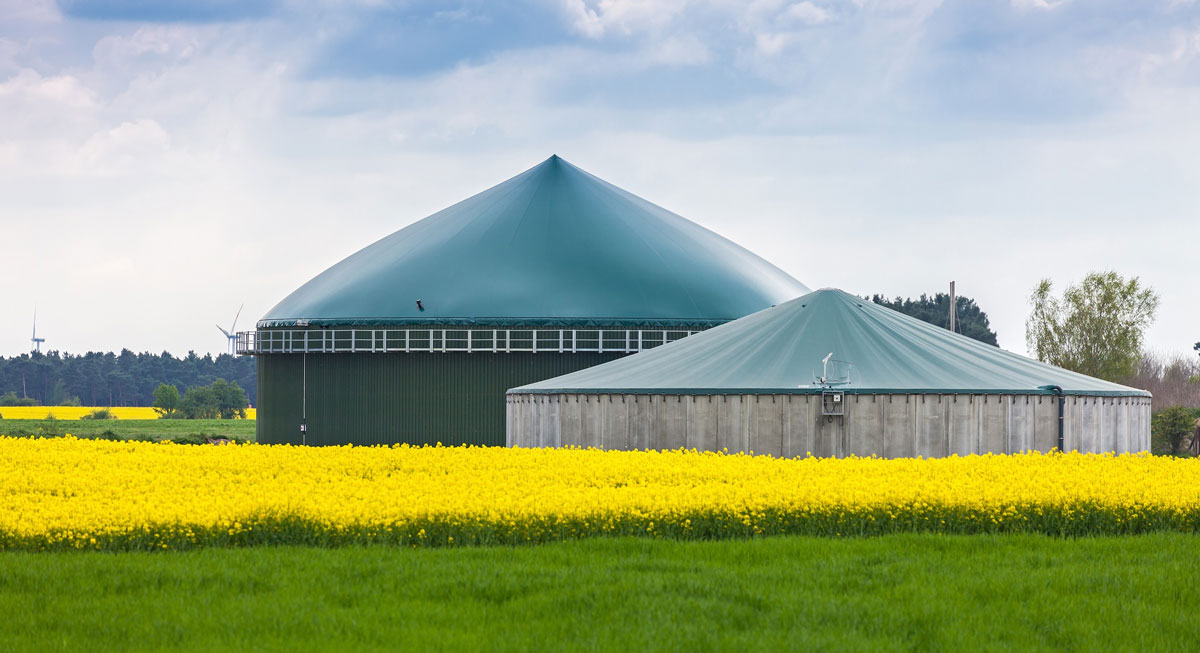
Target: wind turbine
(37, 342)
(231, 334)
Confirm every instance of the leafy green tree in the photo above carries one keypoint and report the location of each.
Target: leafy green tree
(971, 320)
(167, 401)
(231, 399)
(200, 402)
(59, 396)
(11, 399)
(1095, 328)
(220, 400)
(1173, 425)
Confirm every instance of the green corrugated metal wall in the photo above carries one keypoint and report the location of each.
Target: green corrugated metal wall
(418, 398)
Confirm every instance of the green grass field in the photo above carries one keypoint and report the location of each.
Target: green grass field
(131, 429)
(891, 593)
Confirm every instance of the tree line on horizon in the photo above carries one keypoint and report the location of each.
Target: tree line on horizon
(124, 379)
(1095, 328)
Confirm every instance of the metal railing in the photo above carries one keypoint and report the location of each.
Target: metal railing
(383, 340)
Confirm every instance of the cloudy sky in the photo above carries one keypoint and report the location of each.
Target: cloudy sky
(162, 163)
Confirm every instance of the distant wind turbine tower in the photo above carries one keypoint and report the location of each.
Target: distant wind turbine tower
(37, 342)
(231, 334)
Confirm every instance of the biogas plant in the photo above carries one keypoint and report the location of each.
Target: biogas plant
(417, 337)
(898, 387)
(556, 309)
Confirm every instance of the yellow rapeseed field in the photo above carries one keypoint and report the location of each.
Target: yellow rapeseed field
(77, 412)
(72, 493)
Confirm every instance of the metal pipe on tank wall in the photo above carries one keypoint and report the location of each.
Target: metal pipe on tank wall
(304, 399)
(1062, 400)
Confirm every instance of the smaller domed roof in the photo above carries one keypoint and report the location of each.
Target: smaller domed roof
(872, 350)
(552, 246)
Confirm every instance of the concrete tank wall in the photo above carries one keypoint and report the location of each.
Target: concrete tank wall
(889, 426)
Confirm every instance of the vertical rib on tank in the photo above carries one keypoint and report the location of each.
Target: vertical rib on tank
(416, 337)
(831, 374)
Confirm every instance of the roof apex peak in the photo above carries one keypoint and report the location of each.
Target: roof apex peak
(552, 243)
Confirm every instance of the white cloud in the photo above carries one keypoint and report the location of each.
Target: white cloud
(771, 44)
(586, 20)
(809, 13)
(621, 17)
(33, 11)
(687, 50)
(131, 144)
(154, 40)
(28, 87)
(1178, 51)
(224, 162)
(1042, 5)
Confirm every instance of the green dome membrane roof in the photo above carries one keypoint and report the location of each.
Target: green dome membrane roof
(780, 350)
(551, 246)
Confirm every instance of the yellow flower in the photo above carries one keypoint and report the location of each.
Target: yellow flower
(67, 492)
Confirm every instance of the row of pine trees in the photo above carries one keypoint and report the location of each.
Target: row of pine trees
(124, 379)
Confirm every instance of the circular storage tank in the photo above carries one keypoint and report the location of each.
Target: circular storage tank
(416, 337)
(830, 374)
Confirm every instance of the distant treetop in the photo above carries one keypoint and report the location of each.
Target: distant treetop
(971, 321)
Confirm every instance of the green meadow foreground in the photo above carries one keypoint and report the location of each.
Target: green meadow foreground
(131, 429)
(94, 530)
(896, 592)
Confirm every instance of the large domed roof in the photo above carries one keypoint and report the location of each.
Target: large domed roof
(871, 350)
(552, 246)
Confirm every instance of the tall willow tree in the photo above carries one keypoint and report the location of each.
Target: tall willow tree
(1095, 328)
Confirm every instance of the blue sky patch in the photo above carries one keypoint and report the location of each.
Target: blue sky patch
(168, 11)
